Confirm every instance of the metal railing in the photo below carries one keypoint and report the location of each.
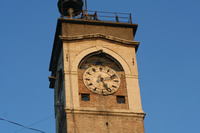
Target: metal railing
(102, 16)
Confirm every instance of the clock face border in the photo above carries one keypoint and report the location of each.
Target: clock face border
(101, 80)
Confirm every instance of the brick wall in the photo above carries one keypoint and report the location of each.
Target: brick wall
(87, 123)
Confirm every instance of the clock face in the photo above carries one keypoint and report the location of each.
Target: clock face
(101, 80)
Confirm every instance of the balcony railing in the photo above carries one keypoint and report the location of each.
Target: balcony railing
(102, 16)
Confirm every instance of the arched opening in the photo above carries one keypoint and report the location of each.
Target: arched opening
(100, 58)
(101, 79)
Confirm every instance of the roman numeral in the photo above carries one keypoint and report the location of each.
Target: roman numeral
(90, 84)
(108, 71)
(100, 68)
(88, 73)
(93, 70)
(95, 89)
(109, 90)
(114, 86)
(87, 79)
(116, 81)
(113, 76)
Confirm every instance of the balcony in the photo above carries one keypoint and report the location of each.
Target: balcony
(102, 16)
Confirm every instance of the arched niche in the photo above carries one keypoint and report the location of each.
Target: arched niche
(100, 58)
(93, 50)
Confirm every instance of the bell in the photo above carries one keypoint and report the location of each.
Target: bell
(69, 7)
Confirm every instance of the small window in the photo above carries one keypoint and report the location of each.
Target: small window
(120, 99)
(85, 97)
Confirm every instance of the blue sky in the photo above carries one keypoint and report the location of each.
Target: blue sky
(168, 62)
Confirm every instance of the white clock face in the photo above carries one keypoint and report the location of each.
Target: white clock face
(101, 80)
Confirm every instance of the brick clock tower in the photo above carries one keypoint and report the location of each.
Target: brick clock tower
(94, 73)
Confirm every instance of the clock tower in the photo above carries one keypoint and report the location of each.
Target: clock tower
(94, 74)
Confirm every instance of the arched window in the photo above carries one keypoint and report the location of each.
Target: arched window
(100, 58)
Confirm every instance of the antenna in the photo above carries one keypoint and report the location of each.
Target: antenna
(86, 6)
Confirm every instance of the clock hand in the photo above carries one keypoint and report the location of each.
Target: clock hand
(105, 85)
(99, 79)
(109, 78)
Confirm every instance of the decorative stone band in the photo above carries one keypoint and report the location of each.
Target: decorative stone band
(132, 76)
(112, 112)
(76, 73)
(99, 35)
(71, 73)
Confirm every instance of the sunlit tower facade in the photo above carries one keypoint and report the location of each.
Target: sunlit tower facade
(94, 72)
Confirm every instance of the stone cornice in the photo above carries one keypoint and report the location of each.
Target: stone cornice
(106, 112)
(98, 35)
(132, 76)
(94, 22)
